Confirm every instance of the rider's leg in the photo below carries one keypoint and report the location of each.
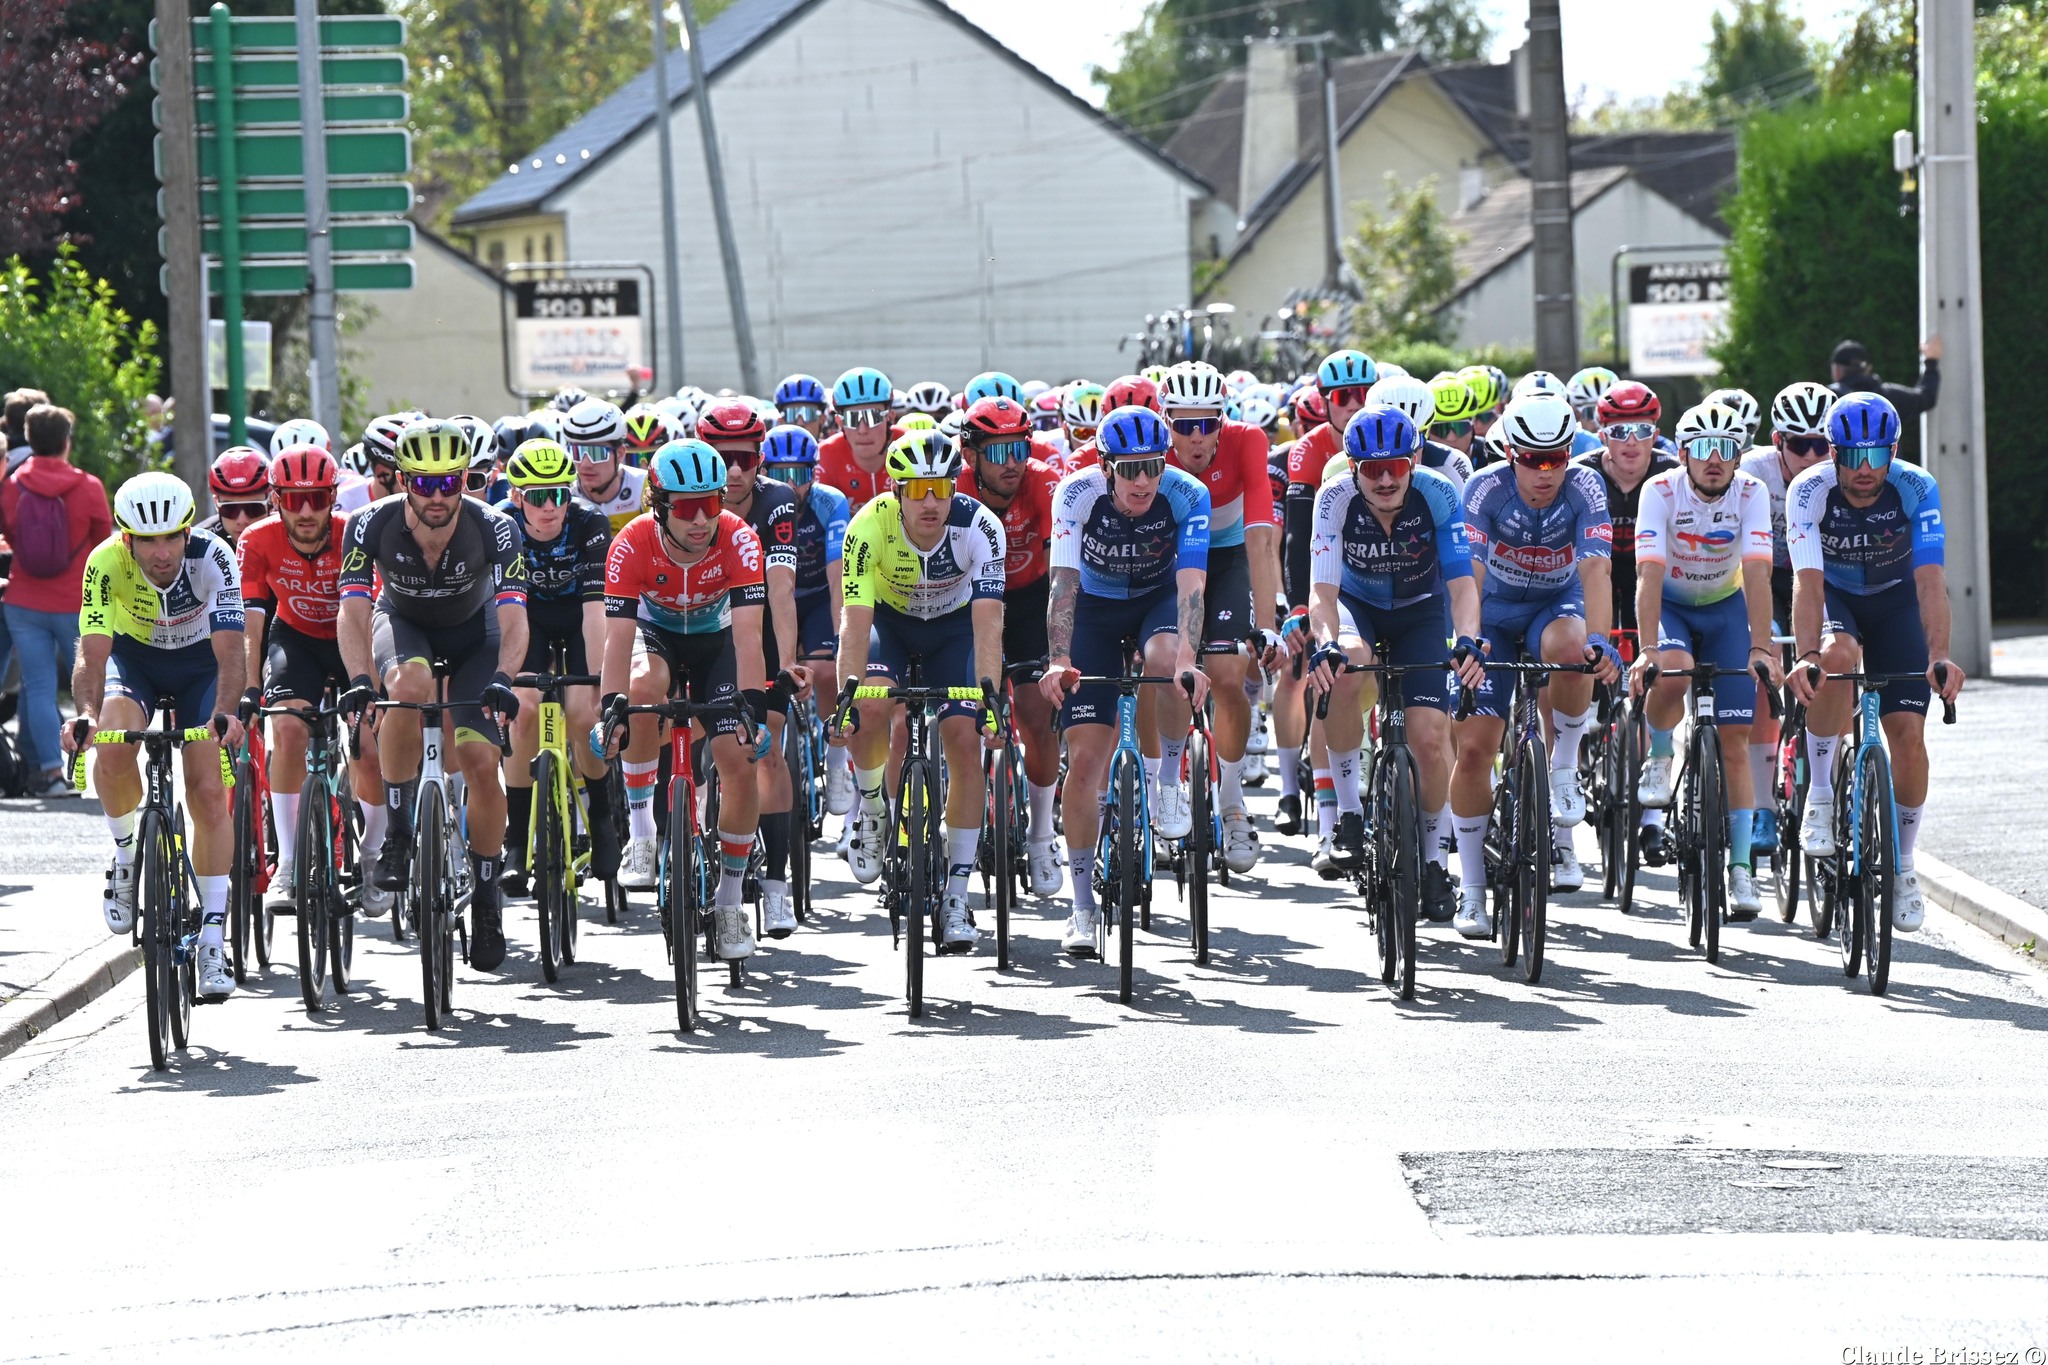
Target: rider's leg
(117, 774)
(1829, 714)
(398, 739)
(1169, 705)
(1088, 751)
(477, 757)
(771, 778)
(739, 814)
(1905, 734)
(213, 838)
(366, 776)
(871, 746)
(1290, 724)
(1344, 728)
(641, 758)
(1231, 727)
(519, 770)
(1033, 714)
(960, 738)
(1571, 694)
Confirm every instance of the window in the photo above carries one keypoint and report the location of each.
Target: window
(497, 253)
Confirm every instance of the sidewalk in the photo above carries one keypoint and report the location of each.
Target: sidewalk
(56, 955)
(1987, 806)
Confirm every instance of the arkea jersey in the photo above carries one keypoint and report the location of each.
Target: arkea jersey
(1383, 566)
(1702, 542)
(1531, 553)
(1027, 523)
(627, 501)
(883, 567)
(642, 580)
(1123, 556)
(821, 520)
(117, 598)
(1865, 550)
(482, 560)
(1240, 492)
(1765, 463)
(303, 593)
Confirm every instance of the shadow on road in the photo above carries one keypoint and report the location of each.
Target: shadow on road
(206, 1070)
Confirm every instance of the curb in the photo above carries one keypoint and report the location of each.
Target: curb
(64, 992)
(2005, 917)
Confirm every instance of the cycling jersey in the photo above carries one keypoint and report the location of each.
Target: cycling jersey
(1864, 550)
(304, 594)
(837, 469)
(772, 514)
(117, 599)
(355, 496)
(1531, 553)
(642, 579)
(569, 568)
(1382, 567)
(883, 568)
(481, 561)
(1240, 494)
(1621, 510)
(1086, 455)
(1764, 463)
(1027, 523)
(821, 521)
(1124, 556)
(1449, 461)
(628, 499)
(1307, 457)
(1702, 542)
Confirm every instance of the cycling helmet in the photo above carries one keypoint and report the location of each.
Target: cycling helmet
(1453, 398)
(1133, 390)
(687, 468)
(1082, 406)
(693, 395)
(1381, 431)
(306, 466)
(861, 386)
(993, 382)
(510, 431)
(1711, 419)
(1478, 379)
(917, 421)
(380, 438)
(1500, 383)
(239, 472)
(1801, 409)
(483, 441)
(1258, 410)
(566, 399)
(1585, 389)
(1539, 422)
(300, 431)
(1133, 432)
(1193, 385)
(922, 455)
(789, 445)
(952, 424)
(153, 504)
(1745, 407)
(545, 422)
(1034, 387)
(356, 460)
(996, 419)
(648, 428)
(929, 396)
(1405, 393)
(1863, 419)
(1346, 370)
(539, 463)
(799, 389)
(730, 419)
(594, 422)
(1629, 401)
(1537, 381)
(1310, 410)
(1237, 381)
(433, 447)
(1389, 370)
(682, 417)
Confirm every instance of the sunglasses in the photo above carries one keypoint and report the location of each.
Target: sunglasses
(917, 490)
(1543, 461)
(305, 499)
(1725, 449)
(1806, 446)
(1147, 468)
(740, 459)
(1350, 396)
(690, 506)
(593, 454)
(1394, 467)
(1045, 421)
(1002, 452)
(863, 418)
(544, 497)
(241, 510)
(1197, 426)
(479, 480)
(1863, 457)
(1450, 428)
(1081, 433)
(802, 412)
(435, 485)
(795, 474)
(1629, 431)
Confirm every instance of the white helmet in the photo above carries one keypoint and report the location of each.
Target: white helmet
(1745, 407)
(355, 460)
(1258, 410)
(1711, 419)
(1405, 393)
(1801, 409)
(1538, 381)
(300, 431)
(594, 421)
(1237, 381)
(1031, 388)
(153, 504)
(952, 424)
(1540, 421)
(1389, 370)
(1192, 384)
(930, 397)
(483, 440)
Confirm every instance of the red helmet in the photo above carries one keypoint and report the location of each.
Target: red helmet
(239, 472)
(1133, 390)
(303, 467)
(731, 419)
(1629, 401)
(996, 417)
(1310, 409)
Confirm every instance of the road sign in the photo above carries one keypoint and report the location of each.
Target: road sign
(1677, 311)
(282, 73)
(343, 108)
(587, 332)
(289, 276)
(337, 31)
(289, 239)
(351, 152)
(255, 345)
(364, 199)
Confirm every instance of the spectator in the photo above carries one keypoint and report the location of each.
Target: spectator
(53, 514)
(1852, 374)
(11, 420)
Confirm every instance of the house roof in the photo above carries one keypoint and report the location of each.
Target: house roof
(735, 33)
(1497, 229)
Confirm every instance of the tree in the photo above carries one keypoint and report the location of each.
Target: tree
(66, 335)
(1758, 55)
(1404, 261)
(1445, 31)
(54, 85)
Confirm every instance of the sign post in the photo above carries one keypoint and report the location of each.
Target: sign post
(573, 327)
(1677, 310)
(230, 228)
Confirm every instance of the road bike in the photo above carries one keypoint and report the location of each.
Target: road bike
(1788, 797)
(559, 824)
(1608, 766)
(1518, 833)
(803, 744)
(252, 926)
(321, 913)
(1004, 852)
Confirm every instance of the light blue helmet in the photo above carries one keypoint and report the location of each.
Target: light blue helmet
(861, 385)
(1346, 370)
(688, 468)
(993, 384)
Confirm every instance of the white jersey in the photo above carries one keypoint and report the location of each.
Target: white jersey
(1764, 463)
(627, 500)
(355, 493)
(1702, 542)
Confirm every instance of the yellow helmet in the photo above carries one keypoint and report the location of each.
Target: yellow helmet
(922, 455)
(1479, 379)
(1455, 400)
(918, 421)
(433, 447)
(539, 463)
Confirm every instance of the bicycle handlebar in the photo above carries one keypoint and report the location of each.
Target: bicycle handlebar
(430, 712)
(1392, 673)
(548, 682)
(83, 733)
(1871, 682)
(1699, 672)
(312, 713)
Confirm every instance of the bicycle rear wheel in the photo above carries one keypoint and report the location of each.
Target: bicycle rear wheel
(683, 906)
(1403, 867)
(428, 890)
(1878, 854)
(1504, 838)
(1788, 795)
(1002, 795)
(341, 922)
(1628, 761)
(916, 832)
(242, 900)
(549, 864)
(1532, 865)
(1604, 804)
(309, 898)
(184, 922)
(1201, 843)
(1712, 868)
(1126, 889)
(155, 895)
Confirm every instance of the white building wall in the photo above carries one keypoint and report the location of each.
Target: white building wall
(905, 197)
(436, 346)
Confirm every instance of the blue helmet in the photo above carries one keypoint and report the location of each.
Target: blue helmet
(1863, 419)
(688, 468)
(1381, 432)
(799, 388)
(861, 385)
(1346, 370)
(994, 384)
(789, 445)
(1133, 432)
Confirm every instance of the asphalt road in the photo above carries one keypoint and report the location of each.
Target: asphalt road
(1263, 1159)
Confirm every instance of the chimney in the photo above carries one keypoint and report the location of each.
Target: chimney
(1270, 142)
(1518, 63)
(1471, 187)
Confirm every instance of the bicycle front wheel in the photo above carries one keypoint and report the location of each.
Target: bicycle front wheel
(242, 899)
(1878, 855)
(549, 863)
(1532, 864)
(156, 897)
(1712, 869)
(1126, 889)
(428, 891)
(916, 832)
(683, 905)
(1402, 868)
(1201, 842)
(309, 897)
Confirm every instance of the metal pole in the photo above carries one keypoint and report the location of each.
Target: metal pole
(672, 276)
(192, 413)
(323, 376)
(1333, 193)
(230, 222)
(1951, 287)
(1550, 197)
(714, 168)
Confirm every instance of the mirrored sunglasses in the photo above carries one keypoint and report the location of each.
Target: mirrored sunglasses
(1081, 433)
(243, 511)
(1002, 452)
(1350, 396)
(1450, 428)
(1543, 461)
(1725, 449)
(304, 499)
(863, 418)
(745, 458)
(1394, 467)
(591, 453)
(544, 497)
(690, 506)
(1198, 426)
(435, 485)
(917, 490)
(795, 474)
(1045, 421)
(1863, 457)
(1144, 468)
(1629, 431)
(802, 412)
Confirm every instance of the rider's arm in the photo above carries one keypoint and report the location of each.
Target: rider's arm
(1598, 576)
(353, 635)
(89, 675)
(595, 636)
(1262, 548)
(1805, 503)
(1653, 547)
(252, 628)
(1322, 612)
(1758, 546)
(1930, 584)
(1465, 606)
(987, 614)
(746, 643)
(509, 578)
(1062, 597)
(1593, 548)
(1326, 559)
(855, 620)
(1650, 600)
(229, 658)
(1192, 614)
(1809, 597)
(356, 584)
(779, 548)
(513, 633)
(617, 668)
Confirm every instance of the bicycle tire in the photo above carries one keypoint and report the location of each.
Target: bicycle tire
(803, 815)
(153, 895)
(1370, 878)
(545, 860)
(1687, 836)
(1404, 885)
(309, 897)
(1714, 851)
(1601, 805)
(1877, 879)
(1504, 833)
(1126, 891)
(1629, 764)
(348, 818)
(427, 884)
(913, 815)
(1788, 797)
(241, 931)
(1201, 842)
(184, 927)
(683, 906)
(1002, 793)
(1533, 811)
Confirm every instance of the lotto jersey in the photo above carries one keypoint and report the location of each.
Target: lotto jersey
(1123, 556)
(303, 593)
(1865, 550)
(1027, 523)
(1390, 566)
(1240, 492)
(1531, 553)
(641, 579)
(1702, 542)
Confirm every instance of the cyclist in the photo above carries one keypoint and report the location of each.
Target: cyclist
(1542, 549)
(593, 431)
(1391, 566)
(648, 429)
(380, 448)
(453, 588)
(1131, 390)
(1416, 401)
(299, 431)
(160, 620)
(1130, 549)
(564, 543)
(852, 459)
(790, 454)
(1585, 389)
(483, 480)
(1457, 409)
(1703, 578)
(801, 401)
(1001, 474)
(1081, 413)
(239, 480)
(1744, 407)
(1490, 388)
(1242, 583)
(1869, 590)
(924, 580)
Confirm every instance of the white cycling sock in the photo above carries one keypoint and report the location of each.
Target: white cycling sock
(1438, 832)
(1763, 775)
(1230, 789)
(284, 812)
(213, 910)
(1290, 774)
(123, 829)
(1653, 818)
(1151, 772)
(376, 818)
(1471, 835)
(1564, 756)
(1909, 832)
(1820, 765)
(1344, 764)
(1041, 812)
(961, 846)
(639, 779)
(1081, 875)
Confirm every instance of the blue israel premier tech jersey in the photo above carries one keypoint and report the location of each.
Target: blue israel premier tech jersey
(821, 521)
(1864, 550)
(1122, 556)
(1532, 553)
(1390, 568)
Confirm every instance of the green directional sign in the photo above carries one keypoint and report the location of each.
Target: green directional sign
(282, 73)
(289, 239)
(282, 35)
(275, 155)
(382, 107)
(289, 277)
(364, 199)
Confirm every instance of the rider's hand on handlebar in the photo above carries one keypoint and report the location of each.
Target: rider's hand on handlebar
(1639, 674)
(1058, 681)
(1606, 663)
(1806, 679)
(362, 692)
(1948, 682)
(228, 729)
(1323, 666)
(252, 701)
(1193, 680)
(1468, 662)
(78, 734)
(500, 700)
(1774, 668)
(800, 674)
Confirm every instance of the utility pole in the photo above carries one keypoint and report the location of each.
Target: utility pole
(1333, 189)
(1951, 290)
(324, 370)
(224, 128)
(671, 259)
(1550, 194)
(192, 412)
(714, 168)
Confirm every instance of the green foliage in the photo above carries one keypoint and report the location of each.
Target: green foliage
(1446, 31)
(1426, 359)
(1403, 261)
(1758, 54)
(1878, 45)
(65, 334)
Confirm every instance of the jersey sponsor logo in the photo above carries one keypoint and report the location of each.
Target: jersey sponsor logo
(96, 620)
(355, 561)
(1704, 542)
(1535, 559)
(1603, 531)
(785, 532)
(1760, 540)
(749, 550)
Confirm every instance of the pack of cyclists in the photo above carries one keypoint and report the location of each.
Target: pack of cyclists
(1254, 545)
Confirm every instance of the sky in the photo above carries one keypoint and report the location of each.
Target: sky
(1630, 49)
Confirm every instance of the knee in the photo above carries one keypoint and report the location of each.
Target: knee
(647, 687)
(1839, 655)
(412, 682)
